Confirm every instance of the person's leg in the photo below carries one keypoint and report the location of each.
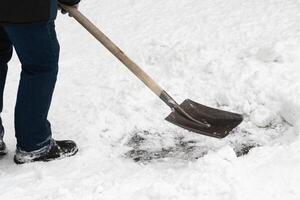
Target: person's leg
(5, 56)
(38, 50)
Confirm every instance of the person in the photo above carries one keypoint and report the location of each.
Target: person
(29, 27)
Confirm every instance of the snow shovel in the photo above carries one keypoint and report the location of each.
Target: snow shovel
(189, 115)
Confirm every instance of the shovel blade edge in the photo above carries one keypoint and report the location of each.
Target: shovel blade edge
(221, 122)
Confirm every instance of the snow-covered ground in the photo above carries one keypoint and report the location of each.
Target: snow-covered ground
(241, 56)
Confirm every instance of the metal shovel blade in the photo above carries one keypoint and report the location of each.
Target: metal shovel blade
(221, 122)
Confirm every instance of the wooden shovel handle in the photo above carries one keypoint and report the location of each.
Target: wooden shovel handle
(134, 68)
(114, 49)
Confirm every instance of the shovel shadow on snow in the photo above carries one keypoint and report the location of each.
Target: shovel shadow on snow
(150, 146)
(145, 148)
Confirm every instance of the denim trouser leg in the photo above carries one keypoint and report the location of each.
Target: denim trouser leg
(38, 50)
(5, 55)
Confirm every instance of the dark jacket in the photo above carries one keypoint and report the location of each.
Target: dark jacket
(13, 12)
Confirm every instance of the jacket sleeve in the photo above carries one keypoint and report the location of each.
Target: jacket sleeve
(69, 2)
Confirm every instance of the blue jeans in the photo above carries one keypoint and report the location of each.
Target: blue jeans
(38, 51)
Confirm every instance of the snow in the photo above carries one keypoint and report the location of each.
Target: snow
(241, 56)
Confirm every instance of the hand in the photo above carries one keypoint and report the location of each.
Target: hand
(65, 12)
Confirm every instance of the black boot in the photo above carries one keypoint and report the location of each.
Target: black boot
(56, 150)
(2, 148)
(2, 144)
